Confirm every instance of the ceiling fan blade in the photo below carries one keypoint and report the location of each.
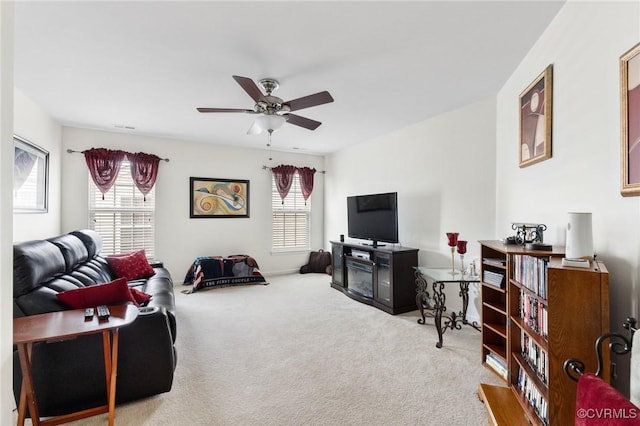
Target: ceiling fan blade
(224, 110)
(250, 87)
(307, 123)
(309, 101)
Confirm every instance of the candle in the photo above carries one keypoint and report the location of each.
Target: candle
(453, 238)
(462, 246)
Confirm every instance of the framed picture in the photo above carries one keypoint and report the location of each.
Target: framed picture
(630, 121)
(212, 197)
(535, 119)
(30, 177)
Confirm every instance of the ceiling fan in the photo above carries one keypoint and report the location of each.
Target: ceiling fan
(273, 111)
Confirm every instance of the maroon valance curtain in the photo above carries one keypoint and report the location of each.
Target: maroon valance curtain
(104, 166)
(306, 181)
(283, 175)
(144, 171)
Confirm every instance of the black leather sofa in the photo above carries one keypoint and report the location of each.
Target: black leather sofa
(69, 376)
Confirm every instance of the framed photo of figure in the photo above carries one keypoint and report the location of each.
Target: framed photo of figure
(630, 121)
(535, 112)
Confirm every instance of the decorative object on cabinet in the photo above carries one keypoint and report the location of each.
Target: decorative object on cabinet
(30, 177)
(218, 198)
(528, 233)
(535, 119)
(630, 121)
(530, 328)
(579, 247)
(378, 276)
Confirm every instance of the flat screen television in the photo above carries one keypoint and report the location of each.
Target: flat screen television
(373, 217)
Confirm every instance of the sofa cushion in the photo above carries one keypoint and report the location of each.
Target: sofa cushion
(73, 250)
(131, 266)
(141, 297)
(33, 263)
(114, 292)
(39, 301)
(91, 240)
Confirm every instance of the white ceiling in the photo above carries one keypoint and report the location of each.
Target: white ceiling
(148, 65)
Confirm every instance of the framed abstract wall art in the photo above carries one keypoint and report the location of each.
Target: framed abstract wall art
(30, 177)
(630, 121)
(218, 198)
(535, 119)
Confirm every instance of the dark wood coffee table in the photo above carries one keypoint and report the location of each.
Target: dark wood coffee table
(67, 325)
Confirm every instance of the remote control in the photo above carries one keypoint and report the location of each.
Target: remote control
(103, 312)
(88, 313)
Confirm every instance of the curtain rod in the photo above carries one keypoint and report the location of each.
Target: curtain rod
(71, 151)
(318, 171)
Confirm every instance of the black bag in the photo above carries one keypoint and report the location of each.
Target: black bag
(319, 261)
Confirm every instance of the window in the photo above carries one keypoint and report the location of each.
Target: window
(290, 220)
(123, 219)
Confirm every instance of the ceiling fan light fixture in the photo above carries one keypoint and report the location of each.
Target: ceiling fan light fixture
(268, 122)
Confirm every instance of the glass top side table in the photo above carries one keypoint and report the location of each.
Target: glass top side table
(435, 304)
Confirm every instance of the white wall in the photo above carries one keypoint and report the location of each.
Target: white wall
(180, 239)
(32, 123)
(443, 171)
(6, 215)
(584, 43)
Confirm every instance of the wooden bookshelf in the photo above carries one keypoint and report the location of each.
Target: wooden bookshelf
(570, 310)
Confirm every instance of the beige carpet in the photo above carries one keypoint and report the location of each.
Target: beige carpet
(297, 352)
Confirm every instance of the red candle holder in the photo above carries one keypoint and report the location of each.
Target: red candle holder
(462, 249)
(453, 242)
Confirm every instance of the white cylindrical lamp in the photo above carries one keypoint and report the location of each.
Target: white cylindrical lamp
(579, 243)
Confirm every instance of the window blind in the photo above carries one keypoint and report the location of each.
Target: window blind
(291, 219)
(123, 219)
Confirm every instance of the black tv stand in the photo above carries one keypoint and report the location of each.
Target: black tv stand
(385, 278)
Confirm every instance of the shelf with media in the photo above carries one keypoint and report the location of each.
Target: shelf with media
(551, 312)
(494, 310)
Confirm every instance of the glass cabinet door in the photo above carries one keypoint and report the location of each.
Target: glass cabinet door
(338, 266)
(383, 283)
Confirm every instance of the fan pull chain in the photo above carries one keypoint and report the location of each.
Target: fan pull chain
(269, 144)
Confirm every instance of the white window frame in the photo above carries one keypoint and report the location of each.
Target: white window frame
(294, 204)
(121, 200)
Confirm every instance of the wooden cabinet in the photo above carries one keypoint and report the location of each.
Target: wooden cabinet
(381, 276)
(542, 315)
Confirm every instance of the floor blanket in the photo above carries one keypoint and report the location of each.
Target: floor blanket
(217, 271)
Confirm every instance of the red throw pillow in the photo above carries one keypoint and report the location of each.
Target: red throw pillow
(112, 293)
(132, 266)
(141, 297)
